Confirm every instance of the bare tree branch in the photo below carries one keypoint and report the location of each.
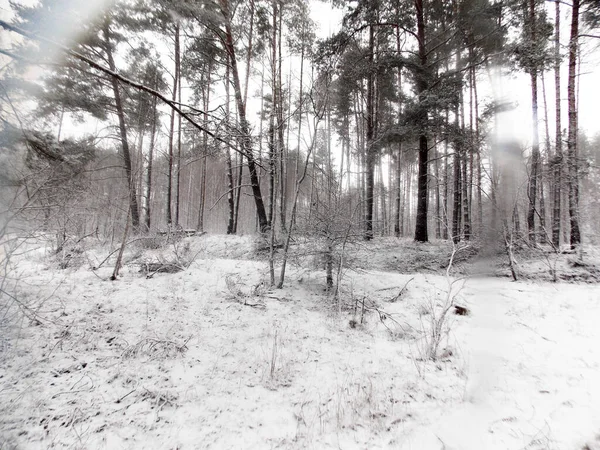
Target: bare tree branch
(172, 104)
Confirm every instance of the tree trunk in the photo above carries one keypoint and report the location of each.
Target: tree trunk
(133, 203)
(382, 193)
(397, 229)
(465, 198)
(516, 221)
(273, 142)
(458, 157)
(246, 139)
(230, 187)
(206, 101)
(446, 223)
(535, 144)
(438, 210)
(280, 128)
(457, 201)
(150, 163)
(370, 126)
(178, 173)
(557, 162)
(544, 235)
(172, 131)
(479, 188)
(299, 178)
(421, 84)
(573, 178)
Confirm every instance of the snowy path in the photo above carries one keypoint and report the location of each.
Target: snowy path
(533, 369)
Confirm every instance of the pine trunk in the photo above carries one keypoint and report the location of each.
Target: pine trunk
(206, 101)
(246, 139)
(573, 178)
(150, 163)
(370, 156)
(172, 133)
(535, 144)
(422, 181)
(178, 172)
(230, 187)
(557, 162)
(133, 203)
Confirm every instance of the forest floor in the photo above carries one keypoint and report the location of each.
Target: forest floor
(210, 357)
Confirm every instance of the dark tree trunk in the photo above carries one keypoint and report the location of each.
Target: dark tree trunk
(422, 181)
(172, 132)
(547, 155)
(370, 156)
(238, 192)
(479, 188)
(397, 228)
(150, 163)
(535, 145)
(206, 101)
(465, 198)
(273, 117)
(246, 139)
(573, 179)
(133, 203)
(230, 187)
(438, 210)
(557, 162)
(446, 187)
(280, 128)
(178, 172)
(240, 174)
(456, 204)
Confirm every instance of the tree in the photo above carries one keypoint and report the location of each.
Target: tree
(98, 40)
(573, 164)
(557, 162)
(421, 234)
(227, 40)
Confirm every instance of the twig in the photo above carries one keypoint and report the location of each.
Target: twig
(397, 297)
(119, 400)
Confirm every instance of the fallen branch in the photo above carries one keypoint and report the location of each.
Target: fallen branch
(397, 297)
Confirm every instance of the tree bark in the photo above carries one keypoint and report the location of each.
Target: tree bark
(397, 230)
(573, 178)
(557, 162)
(535, 144)
(246, 139)
(240, 174)
(206, 100)
(150, 164)
(178, 172)
(465, 198)
(230, 187)
(421, 84)
(172, 131)
(281, 155)
(438, 209)
(456, 204)
(133, 203)
(273, 142)
(370, 150)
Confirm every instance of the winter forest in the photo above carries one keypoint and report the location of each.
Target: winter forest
(299, 224)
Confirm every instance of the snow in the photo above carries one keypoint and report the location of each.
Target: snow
(179, 361)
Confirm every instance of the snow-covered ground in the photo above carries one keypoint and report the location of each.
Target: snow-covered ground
(211, 358)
